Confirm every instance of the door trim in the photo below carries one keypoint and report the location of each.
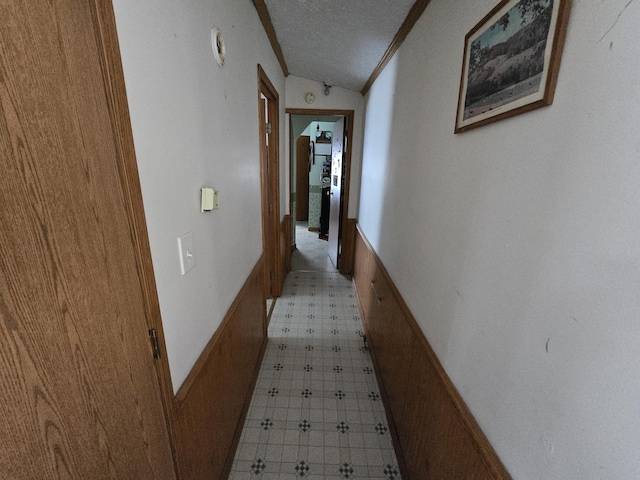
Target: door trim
(349, 115)
(115, 91)
(270, 185)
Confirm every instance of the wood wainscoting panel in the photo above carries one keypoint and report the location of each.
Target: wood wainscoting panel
(347, 246)
(285, 248)
(362, 278)
(436, 436)
(212, 403)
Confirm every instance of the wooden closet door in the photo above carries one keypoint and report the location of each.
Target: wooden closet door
(79, 395)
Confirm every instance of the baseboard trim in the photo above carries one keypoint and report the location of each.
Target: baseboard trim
(212, 403)
(435, 434)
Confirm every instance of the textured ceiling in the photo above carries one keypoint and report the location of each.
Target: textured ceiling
(338, 42)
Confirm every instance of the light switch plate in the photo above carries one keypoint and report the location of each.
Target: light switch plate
(185, 248)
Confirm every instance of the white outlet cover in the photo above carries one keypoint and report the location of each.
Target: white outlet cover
(185, 248)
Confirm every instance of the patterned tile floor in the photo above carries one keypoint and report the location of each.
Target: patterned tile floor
(316, 411)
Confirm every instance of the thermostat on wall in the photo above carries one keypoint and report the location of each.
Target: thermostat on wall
(209, 199)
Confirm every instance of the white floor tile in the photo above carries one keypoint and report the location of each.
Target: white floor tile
(315, 375)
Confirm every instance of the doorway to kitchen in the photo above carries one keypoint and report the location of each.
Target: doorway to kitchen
(320, 160)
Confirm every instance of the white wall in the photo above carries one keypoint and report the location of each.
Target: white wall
(339, 99)
(196, 124)
(517, 245)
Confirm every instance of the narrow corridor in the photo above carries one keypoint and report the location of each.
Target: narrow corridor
(316, 411)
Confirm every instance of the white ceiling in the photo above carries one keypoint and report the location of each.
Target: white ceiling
(338, 42)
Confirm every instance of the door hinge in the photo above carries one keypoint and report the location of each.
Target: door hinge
(155, 346)
(269, 128)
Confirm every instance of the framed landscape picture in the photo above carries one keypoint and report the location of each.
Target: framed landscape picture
(511, 61)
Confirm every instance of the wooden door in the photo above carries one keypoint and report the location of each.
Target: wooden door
(268, 111)
(79, 394)
(335, 219)
(302, 177)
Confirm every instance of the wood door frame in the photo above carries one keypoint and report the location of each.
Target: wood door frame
(349, 115)
(270, 185)
(115, 91)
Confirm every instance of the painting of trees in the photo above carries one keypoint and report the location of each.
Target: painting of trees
(508, 54)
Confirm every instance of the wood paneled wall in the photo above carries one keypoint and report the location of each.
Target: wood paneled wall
(435, 435)
(285, 248)
(212, 403)
(348, 246)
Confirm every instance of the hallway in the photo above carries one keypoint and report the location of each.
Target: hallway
(316, 411)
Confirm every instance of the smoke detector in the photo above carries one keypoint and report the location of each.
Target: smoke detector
(217, 44)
